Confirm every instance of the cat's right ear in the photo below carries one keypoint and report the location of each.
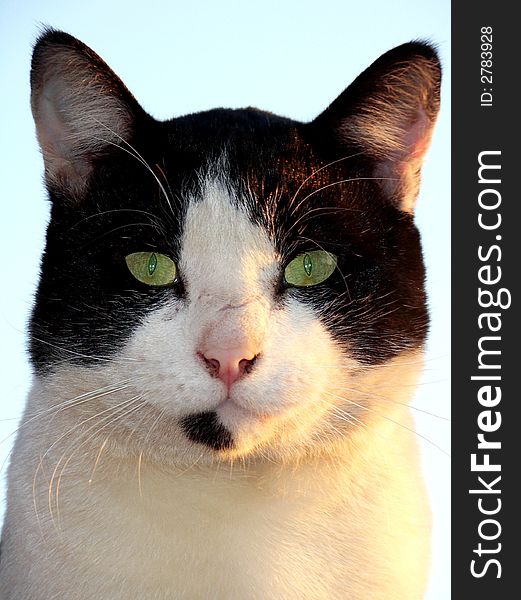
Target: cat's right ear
(388, 114)
(82, 110)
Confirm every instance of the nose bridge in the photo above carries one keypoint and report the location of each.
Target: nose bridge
(228, 326)
(228, 264)
(224, 280)
(230, 276)
(223, 253)
(226, 294)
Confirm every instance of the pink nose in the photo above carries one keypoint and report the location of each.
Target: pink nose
(228, 364)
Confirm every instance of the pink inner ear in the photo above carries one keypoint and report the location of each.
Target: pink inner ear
(52, 131)
(417, 138)
(57, 142)
(402, 171)
(80, 110)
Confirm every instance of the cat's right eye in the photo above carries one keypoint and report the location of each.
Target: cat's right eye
(310, 268)
(152, 268)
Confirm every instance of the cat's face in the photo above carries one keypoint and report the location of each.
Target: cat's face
(230, 282)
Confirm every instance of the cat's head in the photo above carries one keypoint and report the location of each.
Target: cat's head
(231, 281)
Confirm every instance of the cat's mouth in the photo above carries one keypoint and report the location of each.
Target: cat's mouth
(230, 409)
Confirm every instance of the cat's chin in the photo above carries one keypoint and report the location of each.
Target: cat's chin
(255, 430)
(247, 427)
(233, 413)
(231, 429)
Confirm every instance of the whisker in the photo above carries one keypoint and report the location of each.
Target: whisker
(102, 213)
(120, 227)
(320, 189)
(156, 421)
(98, 456)
(42, 457)
(80, 355)
(372, 395)
(333, 162)
(80, 399)
(128, 409)
(349, 418)
(391, 420)
(133, 152)
(140, 458)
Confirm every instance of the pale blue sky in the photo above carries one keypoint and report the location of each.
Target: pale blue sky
(291, 58)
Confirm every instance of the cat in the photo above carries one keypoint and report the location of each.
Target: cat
(227, 330)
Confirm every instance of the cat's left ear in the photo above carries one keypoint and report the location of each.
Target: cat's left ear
(388, 114)
(82, 110)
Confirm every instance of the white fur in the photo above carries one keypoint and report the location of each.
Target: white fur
(319, 499)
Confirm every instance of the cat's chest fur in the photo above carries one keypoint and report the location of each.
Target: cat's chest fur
(228, 328)
(353, 524)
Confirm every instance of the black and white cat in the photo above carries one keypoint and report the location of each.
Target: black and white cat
(228, 328)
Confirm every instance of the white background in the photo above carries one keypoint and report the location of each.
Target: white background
(292, 58)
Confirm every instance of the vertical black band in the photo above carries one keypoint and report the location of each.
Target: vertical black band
(486, 251)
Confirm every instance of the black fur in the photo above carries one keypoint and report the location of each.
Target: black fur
(206, 428)
(88, 304)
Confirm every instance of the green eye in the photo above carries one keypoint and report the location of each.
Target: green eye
(310, 268)
(151, 268)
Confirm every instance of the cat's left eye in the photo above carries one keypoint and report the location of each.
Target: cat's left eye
(152, 268)
(310, 268)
